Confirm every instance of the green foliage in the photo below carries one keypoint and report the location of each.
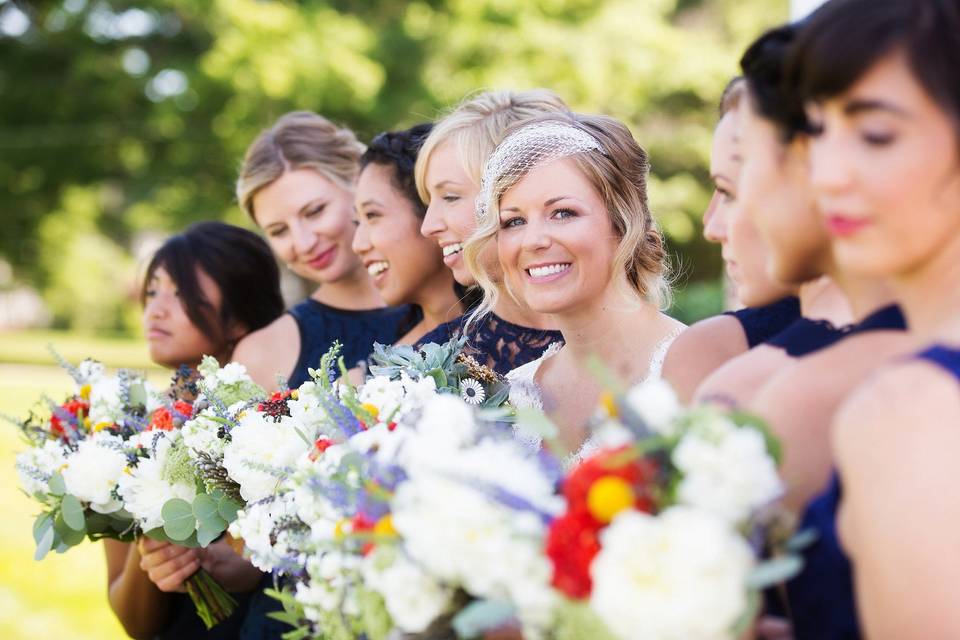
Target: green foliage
(149, 123)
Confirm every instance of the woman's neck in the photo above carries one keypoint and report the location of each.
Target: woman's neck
(508, 309)
(609, 330)
(822, 299)
(353, 291)
(930, 296)
(864, 295)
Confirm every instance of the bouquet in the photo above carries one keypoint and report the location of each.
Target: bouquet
(79, 450)
(655, 539)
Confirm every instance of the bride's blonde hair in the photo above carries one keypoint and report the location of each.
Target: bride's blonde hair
(617, 168)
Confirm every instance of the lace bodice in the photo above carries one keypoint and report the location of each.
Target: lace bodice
(495, 342)
(525, 392)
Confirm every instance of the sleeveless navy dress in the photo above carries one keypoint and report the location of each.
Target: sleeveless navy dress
(185, 624)
(357, 330)
(762, 323)
(494, 342)
(319, 326)
(821, 598)
(805, 336)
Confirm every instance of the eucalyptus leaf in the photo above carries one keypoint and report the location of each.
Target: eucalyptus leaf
(206, 535)
(204, 507)
(45, 541)
(179, 522)
(228, 508)
(72, 512)
(57, 485)
(43, 522)
(802, 539)
(774, 571)
(138, 395)
(68, 536)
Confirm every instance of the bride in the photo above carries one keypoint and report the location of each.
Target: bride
(565, 199)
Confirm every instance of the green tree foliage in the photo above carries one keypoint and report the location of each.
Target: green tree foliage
(149, 104)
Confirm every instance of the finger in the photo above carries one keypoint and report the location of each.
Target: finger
(169, 552)
(174, 581)
(166, 575)
(147, 545)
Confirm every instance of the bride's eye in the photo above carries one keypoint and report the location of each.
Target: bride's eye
(564, 214)
(515, 221)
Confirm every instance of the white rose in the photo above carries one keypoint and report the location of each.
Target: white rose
(383, 393)
(262, 451)
(106, 405)
(93, 471)
(201, 434)
(726, 470)
(256, 525)
(681, 574)
(656, 402)
(232, 373)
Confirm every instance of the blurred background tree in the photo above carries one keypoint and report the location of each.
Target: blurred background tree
(122, 119)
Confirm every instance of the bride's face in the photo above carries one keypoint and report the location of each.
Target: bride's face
(556, 243)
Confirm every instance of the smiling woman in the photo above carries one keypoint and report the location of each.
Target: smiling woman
(406, 267)
(297, 184)
(564, 198)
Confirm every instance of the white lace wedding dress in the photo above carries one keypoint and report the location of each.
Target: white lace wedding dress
(525, 392)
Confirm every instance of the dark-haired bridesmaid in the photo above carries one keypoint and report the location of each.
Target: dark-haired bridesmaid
(203, 290)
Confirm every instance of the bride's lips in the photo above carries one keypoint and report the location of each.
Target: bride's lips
(323, 260)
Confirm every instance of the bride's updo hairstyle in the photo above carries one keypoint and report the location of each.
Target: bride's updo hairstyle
(616, 166)
(843, 39)
(298, 140)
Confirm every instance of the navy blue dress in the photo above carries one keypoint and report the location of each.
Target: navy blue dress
(821, 598)
(762, 323)
(319, 326)
(496, 343)
(806, 336)
(357, 330)
(185, 624)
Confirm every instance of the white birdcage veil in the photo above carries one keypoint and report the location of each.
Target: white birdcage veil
(524, 149)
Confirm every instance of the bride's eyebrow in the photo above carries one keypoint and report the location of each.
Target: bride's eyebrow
(555, 200)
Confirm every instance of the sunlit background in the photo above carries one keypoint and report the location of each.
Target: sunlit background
(121, 122)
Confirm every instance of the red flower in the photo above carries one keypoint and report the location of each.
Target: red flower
(362, 523)
(276, 405)
(74, 406)
(161, 420)
(321, 445)
(638, 472)
(185, 409)
(572, 543)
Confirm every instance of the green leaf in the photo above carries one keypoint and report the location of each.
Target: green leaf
(44, 540)
(227, 508)
(206, 535)
(68, 536)
(179, 522)
(43, 522)
(774, 571)
(138, 395)
(204, 507)
(57, 486)
(72, 512)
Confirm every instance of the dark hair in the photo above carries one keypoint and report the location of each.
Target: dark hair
(398, 150)
(763, 68)
(843, 39)
(237, 260)
(731, 96)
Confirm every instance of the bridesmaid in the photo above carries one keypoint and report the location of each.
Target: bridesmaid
(880, 80)
(770, 306)
(203, 290)
(564, 202)
(406, 267)
(297, 184)
(448, 179)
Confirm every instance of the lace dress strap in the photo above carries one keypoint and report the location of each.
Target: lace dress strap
(660, 354)
(524, 390)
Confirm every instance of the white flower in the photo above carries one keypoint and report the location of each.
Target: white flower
(472, 392)
(90, 371)
(37, 464)
(383, 393)
(200, 434)
(726, 469)
(146, 488)
(412, 597)
(232, 373)
(265, 546)
(93, 471)
(679, 575)
(447, 423)
(261, 451)
(331, 575)
(106, 404)
(656, 402)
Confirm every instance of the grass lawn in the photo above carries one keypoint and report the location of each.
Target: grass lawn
(62, 596)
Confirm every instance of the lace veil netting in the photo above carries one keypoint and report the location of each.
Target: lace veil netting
(529, 146)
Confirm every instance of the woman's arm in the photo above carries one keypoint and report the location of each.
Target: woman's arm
(701, 350)
(139, 605)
